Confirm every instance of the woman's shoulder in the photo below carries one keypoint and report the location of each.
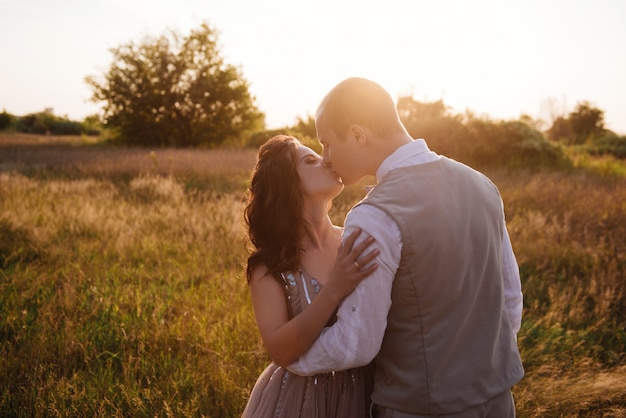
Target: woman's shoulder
(259, 272)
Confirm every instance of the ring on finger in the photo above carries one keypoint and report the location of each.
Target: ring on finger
(357, 265)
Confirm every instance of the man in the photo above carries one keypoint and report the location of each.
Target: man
(441, 313)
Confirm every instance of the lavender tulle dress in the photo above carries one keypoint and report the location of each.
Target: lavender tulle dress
(279, 393)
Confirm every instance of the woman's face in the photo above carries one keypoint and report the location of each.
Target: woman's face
(315, 178)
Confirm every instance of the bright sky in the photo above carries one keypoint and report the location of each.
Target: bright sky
(499, 58)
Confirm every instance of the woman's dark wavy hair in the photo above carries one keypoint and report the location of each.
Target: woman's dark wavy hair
(274, 210)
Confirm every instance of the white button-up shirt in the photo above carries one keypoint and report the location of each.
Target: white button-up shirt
(356, 337)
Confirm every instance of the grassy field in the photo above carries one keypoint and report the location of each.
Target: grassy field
(122, 290)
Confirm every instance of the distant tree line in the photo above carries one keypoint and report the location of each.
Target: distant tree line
(482, 141)
(47, 123)
(584, 127)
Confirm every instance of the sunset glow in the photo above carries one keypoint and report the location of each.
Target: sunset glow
(500, 59)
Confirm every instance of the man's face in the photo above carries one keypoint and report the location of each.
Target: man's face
(339, 154)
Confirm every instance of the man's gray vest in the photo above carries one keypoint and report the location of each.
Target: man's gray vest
(448, 344)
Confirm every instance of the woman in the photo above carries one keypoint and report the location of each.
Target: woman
(297, 261)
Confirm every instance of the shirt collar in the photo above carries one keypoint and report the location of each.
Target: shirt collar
(415, 152)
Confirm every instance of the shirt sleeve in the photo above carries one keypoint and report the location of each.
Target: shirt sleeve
(512, 284)
(356, 337)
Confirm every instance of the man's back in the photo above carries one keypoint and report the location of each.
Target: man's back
(448, 343)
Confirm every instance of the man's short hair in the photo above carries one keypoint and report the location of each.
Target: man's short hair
(359, 101)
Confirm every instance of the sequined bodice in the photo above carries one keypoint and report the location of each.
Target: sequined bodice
(300, 290)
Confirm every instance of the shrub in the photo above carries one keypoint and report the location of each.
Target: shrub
(7, 120)
(478, 141)
(609, 143)
(46, 122)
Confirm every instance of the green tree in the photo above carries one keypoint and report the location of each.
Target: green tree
(586, 121)
(175, 90)
(561, 130)
(7, 120)
(583, 124)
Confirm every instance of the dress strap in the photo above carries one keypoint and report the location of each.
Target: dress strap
(288, 284)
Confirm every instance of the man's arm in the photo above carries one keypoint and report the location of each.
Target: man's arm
(512, 284)
(354, 340)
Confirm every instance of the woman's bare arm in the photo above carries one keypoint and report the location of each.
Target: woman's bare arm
(286, 340)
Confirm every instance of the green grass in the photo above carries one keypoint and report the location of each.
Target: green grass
(122, 288)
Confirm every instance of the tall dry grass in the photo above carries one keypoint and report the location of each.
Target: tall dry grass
(568, 232)
(122, 290)
(568, 229)
(122, 301)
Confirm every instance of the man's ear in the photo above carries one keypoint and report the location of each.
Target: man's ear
(359, 133)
